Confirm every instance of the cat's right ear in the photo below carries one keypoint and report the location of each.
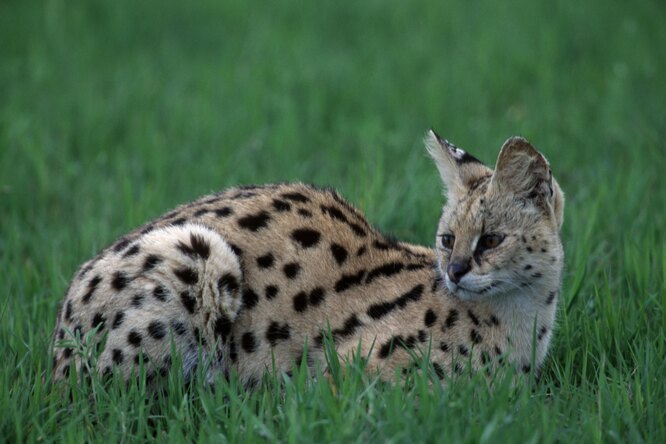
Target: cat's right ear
(458, 169)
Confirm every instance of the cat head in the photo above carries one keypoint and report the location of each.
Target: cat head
(499, 230)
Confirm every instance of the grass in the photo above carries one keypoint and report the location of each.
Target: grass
(113, 112)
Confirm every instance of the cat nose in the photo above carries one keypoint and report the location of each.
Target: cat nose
(457, 270)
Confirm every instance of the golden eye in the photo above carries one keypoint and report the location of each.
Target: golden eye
(489, 241)
(448, 240)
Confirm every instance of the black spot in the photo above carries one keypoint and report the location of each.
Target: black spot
(306, 237)
(339, 253)
(78, 331)
(134, 338)
(178, 327)
(451, 319)
(61, 334)
(118, 320)
(350, 325)
(201, 339)
(443, 346)
(317, 296)
(423, 336)
(211, 199)
(387, 348)
(178, 222)
(383, 245)
(550, 298)
(337, 214)
(430, 318)
(152, 260)
(385, 270)
(147, 229)
(133, 250)
(187, 275)
(349, 280)
(65, 370)
(222, 327)
(305, 213)
(356, 228)
(473, 317)
(243, 195)
(281, 206)
(543, 250)
(439, 371)
(277, 332)
(271, 291)
(254, 222)
(198, 247)
(160, 293)
(250, 298)
(527, 267)
(497, 350)
(542, 333)
(67, 352)
(223, 212)
(529, 249)
(228, 283)
(117, 356)
(236, 249)
(291, 269)
(68, 311)
(494, 321)
(475, 337)
(463, 350)
(537, 275)
(137, 300)
(233, 353)
(248, 342)
(188, 301)
(92, 285)
(300, 302)
(526, 368)
(156, 330)
(201, 212)
(361, 251)
(436, 284)
(334, 213)
(485, 358)
(121, 244)
(295, 197)
(413, 267)
(119, 281)
(98, 321)
(265, 261)
(140, 358)
(378, 311)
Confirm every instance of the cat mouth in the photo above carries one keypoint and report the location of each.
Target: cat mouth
(462, 290)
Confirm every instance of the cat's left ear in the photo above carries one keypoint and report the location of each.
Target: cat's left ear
(459, 170)
(525, 172)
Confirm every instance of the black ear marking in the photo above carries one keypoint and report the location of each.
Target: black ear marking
(458, 154)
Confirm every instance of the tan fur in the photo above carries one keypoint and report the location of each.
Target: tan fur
(302, 260)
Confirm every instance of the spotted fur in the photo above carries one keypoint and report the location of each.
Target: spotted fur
(247, 277)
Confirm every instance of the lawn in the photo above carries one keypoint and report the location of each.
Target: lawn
(113, 112)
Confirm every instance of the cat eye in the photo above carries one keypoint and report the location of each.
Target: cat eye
(489, 241)
(448, 240)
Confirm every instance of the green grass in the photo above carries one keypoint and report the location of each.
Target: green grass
(112, 112)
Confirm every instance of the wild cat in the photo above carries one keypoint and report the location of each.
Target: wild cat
(253, 276)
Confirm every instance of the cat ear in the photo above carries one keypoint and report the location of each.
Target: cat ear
(523, 171)
(458, 169)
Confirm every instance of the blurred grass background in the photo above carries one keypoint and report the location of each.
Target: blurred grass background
(113, 112)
